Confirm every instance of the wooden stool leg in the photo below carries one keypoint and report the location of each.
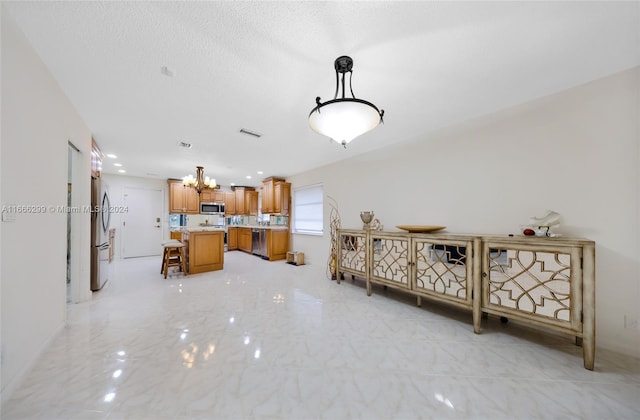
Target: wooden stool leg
(167, 256)
(183, 261)
(164, 256)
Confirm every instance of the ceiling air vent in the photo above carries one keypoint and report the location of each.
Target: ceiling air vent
(250, 133)
(184, 144)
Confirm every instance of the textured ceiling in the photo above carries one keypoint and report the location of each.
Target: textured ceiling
(260, 65)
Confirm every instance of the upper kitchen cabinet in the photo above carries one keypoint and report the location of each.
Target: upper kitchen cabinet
(96, 159)
(212, 196)
(276, 195)
(246, 201)
(206, 196)
(239, 193)
(251, 202)
(267, 195)
(183, 199)
(282, 198)
(230, 203)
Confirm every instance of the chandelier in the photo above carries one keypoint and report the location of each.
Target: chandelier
(343, 119)
(200, 182)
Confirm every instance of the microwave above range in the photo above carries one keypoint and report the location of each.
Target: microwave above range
(211, 208)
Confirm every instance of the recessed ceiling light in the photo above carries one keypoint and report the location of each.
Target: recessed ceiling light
(121, 171)
(112, 156)
(233, 184)
(260, 172)
(117, 164)
(248, 176)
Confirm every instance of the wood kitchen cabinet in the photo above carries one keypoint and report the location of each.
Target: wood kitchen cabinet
(282, 198)
(251, 203)
(230, 203)
(267, 196)
(192, 200)
(246, 201)
(239, 192)
(277, 244)
(232, 238)
(206, 197)
(244, 239)
(183, 199)
(276, 195)
(212, 196)
(204, 251)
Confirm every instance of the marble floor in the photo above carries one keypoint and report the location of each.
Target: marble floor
(271, 340)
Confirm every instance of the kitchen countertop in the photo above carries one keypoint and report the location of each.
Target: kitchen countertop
(274, 227)
(202, 229)
(219, 228)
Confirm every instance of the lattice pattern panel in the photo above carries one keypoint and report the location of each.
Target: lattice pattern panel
(442, 269)
(353, 254)
(534, 282)
(390, 260)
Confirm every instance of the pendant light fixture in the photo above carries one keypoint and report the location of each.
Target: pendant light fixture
(200, 182)
(343, 119)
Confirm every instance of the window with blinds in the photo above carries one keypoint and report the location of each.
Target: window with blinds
(308, 210)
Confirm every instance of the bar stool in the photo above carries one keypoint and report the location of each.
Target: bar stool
(173, 256)
(163, 244)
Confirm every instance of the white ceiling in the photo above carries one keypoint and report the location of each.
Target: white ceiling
(260, 65)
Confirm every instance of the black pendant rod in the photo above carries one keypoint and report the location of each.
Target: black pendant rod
(350, 85)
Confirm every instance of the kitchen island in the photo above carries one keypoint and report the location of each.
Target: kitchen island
(204, 249)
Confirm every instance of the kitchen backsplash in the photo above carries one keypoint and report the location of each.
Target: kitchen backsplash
(263, 219)
(195, 220)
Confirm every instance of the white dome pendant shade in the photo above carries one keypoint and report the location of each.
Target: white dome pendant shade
(344, 119)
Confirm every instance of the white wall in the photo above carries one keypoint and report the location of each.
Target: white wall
(37, 122)
(576, 152)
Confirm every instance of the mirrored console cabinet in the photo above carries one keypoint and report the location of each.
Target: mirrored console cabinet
(547, 282)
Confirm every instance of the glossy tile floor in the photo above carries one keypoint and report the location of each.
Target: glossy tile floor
(271, 340)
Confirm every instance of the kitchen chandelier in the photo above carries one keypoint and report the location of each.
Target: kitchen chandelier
(200, 182)
(343, 119)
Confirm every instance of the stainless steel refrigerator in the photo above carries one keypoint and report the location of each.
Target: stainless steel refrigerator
(100, 224)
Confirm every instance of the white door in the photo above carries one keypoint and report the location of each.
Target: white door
(142, 222)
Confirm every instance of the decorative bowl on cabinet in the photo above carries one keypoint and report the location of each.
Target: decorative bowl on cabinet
(420, 228)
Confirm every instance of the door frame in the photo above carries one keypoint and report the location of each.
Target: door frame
(80, 258)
